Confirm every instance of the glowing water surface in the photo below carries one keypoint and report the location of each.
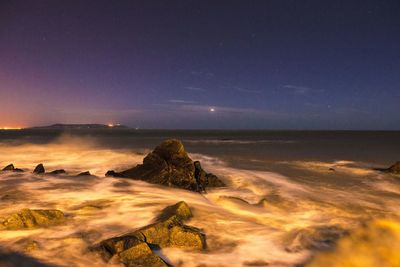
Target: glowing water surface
(241, 229)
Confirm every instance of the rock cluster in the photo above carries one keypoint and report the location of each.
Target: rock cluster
(28, 219)
(168, 230)
(170, 165)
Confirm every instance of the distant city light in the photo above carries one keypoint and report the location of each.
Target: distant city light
(212, 109)
(110, 125)
(10, 128)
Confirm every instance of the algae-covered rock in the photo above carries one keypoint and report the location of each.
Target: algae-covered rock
(168, 230)
(178, 212)
(39, 169)
(28, 219)
(140, 255)
(170, 165)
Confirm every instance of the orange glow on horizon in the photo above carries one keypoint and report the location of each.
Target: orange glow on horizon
(10, 128)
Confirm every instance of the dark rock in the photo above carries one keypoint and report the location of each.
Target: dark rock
(395, 168)
(9, 167)
(332, 169)
(314, 238)
(168, 230)
(87, 173)
(39, 169)
(18, 170)
(27, 218)
(111, 173)
(170, 165)
(56, 172)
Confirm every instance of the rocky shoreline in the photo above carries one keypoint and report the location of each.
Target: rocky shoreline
(169, 165)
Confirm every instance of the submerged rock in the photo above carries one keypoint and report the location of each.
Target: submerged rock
(170, 165)
(395, 168)
(314, 238)
(376, 244)
(86, 173)
(56, 172)
(28, 219)
(39, 169)
(168, 230)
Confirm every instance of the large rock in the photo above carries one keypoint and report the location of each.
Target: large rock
(27, 218)
(170, 165)
(168, 230)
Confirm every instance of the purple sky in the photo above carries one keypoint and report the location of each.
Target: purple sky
(277, 64)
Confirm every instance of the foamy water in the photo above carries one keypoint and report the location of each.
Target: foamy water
(241, 229)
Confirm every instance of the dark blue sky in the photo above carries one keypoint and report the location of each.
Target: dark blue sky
(280, 64)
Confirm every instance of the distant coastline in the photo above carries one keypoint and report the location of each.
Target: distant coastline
(81, 126)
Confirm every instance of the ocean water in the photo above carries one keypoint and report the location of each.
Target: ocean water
(289, 194)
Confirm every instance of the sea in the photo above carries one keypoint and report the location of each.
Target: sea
(289, 196)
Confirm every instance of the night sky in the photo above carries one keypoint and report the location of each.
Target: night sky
(273, 64)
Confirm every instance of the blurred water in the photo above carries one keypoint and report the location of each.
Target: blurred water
(278, 209)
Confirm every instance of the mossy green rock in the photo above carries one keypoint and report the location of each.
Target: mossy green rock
(28, 219)
(168, 230)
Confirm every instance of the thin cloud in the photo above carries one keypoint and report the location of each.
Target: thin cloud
(243, 90)
(302, 90)
(180, 101)
(191, 88)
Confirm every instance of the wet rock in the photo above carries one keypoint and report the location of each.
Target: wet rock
(28, 218)
(111, 174)
(375, 244)
(170, 165)
(395, 168)
(9, 167)
(87, 173)
(168, 230)
(314, 238)
(57, 172)
(39, 169)
(31, 245)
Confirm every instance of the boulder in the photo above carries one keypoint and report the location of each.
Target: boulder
(170, 165)
(28, 219)
(39, 169)
(168, 230)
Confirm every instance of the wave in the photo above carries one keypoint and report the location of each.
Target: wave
(261, 218)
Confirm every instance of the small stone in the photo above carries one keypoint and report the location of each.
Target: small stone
(9, 167)
(39, 169)
(56, 172)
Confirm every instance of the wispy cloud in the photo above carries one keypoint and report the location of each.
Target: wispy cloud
(192, 88)
(243, 90)
(180, 101)
(302, 90)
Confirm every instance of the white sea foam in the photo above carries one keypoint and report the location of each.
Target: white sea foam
(240, 229)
